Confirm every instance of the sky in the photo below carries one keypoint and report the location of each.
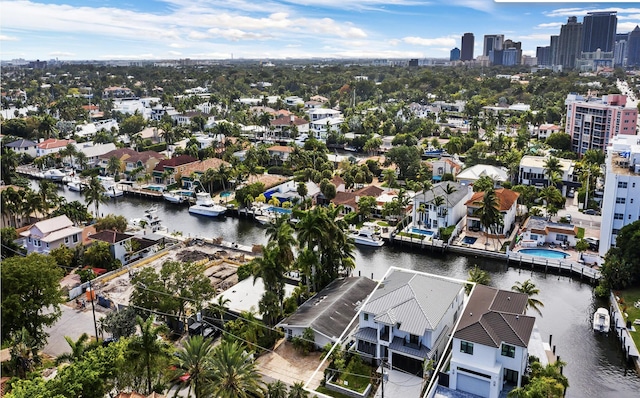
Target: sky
(279, 29)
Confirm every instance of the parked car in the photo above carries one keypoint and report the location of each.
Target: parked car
(592, 212)
(594, 243)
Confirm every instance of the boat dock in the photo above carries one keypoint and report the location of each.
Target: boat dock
(145, 193)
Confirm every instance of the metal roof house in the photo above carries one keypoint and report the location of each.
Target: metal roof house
(330, 311)
(490, 344)
(408, 319)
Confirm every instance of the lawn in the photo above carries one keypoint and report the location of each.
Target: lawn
(627, 298)
(331, 393)
(580, 233)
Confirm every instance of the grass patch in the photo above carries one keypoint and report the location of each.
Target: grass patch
(353, 375)
(331, 393)
(580, 233)
(627, 298)
(383, 224)
(412, 236)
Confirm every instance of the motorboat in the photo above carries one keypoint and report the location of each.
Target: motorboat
(76, 185)
(432, 152)
(176, 196)
(205, 206)
(109, 184)
(265, 219)
(366, 237)
(150, 220)
(53, 175)
(601, 321)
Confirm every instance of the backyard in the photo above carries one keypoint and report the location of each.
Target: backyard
(630, 305)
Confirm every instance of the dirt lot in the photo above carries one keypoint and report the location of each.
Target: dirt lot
(290, 366)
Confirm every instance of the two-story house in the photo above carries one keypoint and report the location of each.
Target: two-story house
(490, 344)
(24, 146)
(118, 243)
(52, 145)
(507, 204)
(322, 113)
(92, 152)
(46, 235)
(408, 319)
(532, 171)
(286, 125)
(441, 206)
(538, 230)
(167, 171)
(133, 163)
(194, 171)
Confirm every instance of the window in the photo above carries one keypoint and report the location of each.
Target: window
(562, 237)
(508, 351)
(615, 231)
(75, 238)
(621, 200)
(622, 184)
(618, 216)
(366, 317)
(466, 347)
(29, 239)
(66, 239)
(414, 339)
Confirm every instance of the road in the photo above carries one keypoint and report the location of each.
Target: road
(72, 323)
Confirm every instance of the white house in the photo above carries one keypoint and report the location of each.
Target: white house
(44, 236)
(490, 344)
(545, 130)
(532, 172)
(408, 319)
(538, 230)
(293, 101)
(431, 213)
(94, 151)
(52, 145)
(24, 146)
(474, 173)
(329, 312)
(322, 113)
(117, 243)
(322, 127)
(507, 204)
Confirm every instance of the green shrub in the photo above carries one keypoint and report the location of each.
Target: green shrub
(244, 271)
(280, 170)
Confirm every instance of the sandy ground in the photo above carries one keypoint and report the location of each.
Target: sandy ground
(290, 366)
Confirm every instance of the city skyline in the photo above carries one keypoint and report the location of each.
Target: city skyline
(277, 29)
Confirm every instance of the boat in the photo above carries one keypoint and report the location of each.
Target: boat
(109, 185)
(53, 175)
(366, 237)
(601, 321)
(177, 196)
(205, 206)
(150, 220)
(76, 185)
(432, 152)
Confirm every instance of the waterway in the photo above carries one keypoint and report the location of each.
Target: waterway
(595, 363)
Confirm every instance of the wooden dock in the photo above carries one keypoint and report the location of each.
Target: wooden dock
(145, 193)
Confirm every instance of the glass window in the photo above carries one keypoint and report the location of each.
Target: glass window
(621, 200)
(366, 317)
(508, 351)
(618, 216)
(622, 184)
(413, 339)
(466, 347)
(75, 238)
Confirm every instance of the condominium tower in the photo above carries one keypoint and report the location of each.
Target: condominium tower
(466, 53)
(599, 31)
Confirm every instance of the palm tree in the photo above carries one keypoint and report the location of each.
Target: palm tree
(389, 177)
(82, 160)
(94, 193)
(47, 192)
(194, 360)
(298, 391)
(114, 165)
(277, 389)
(220, 307)
(78, 348)
(71, 152)
(234, 374)
(489, 213)
(529, 288)
(281, 232)
(552, 166)
(478, 276)
(147, 348)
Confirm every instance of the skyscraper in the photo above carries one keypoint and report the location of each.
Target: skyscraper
(454, 55)
(553, 51)
(569, 43)
(620, 49)
(633, 47)
(599, 31)
(543, 55)
(467, 47)
(493, 48)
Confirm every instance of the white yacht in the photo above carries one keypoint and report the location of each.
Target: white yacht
(175, 196)
(75, 185)
(601, 321)
(150, 220)
(53, 175)
(366, 237)
(205, 206)
(109, 184)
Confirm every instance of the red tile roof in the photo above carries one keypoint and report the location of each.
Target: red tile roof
(506, 199)
(204, 165)
(52, 143)
(174, 162)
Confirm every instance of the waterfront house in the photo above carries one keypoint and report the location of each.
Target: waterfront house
(285, 125)
(474, 173)
(507, 204)
(119, 243)
(133, 163)
(52, 145)
(329, 312)
(279, 153)
(195, 171)
(490, 344)
(444, 165)
(441, 206)
(46, 235)
(320, 128)
(93, 152)
(532, 172)
(408, 319)
(349, 199)
(537, 231)
(117, 92)
(168, 171)
(24, 146)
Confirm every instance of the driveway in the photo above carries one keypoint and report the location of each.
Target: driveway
(290, 366)
(72, 323)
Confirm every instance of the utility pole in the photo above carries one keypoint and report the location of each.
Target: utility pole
(93, 308)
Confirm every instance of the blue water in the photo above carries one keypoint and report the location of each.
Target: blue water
(544, 253)
(225, 194)
(469, 240)
(421, 231)
(279, 210)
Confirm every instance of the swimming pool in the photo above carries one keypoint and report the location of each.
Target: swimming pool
(421, 231)
(225, 194)
(469, 240)
(544, 253)
(157, 188)
(279, 210)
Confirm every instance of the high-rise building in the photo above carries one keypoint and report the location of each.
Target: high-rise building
(493, 48)
(599, 31)
(454, 55)
(621, 201)
(466, 53)
(633, 47)
(593, 122)
(620, 49)
(569, 43)
(553, 52)
(543, 54)
(512, 49)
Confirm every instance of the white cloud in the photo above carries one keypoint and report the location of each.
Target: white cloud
(64, 54)
(8, 38)
(421, 41)
(550, 25)
(237, 34)
(569, 12)
(626, 27)
(535, 36)
(176, 53)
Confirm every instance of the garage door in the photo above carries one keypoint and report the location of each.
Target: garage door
(473, 385)
(407, 364)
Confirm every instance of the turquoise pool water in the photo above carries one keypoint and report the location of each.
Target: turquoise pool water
(157, 188)
(225, 194)
(279, 210)
(469, 240)
(544, 253)
(421, 231)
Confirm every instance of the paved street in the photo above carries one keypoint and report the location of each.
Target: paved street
(72, 323)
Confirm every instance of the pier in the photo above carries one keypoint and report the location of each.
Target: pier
(129, 190)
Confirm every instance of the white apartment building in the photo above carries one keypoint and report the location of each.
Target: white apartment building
(621, 201)
(532, 172)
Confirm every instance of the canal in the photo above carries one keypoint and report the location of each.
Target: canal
(595, 363)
